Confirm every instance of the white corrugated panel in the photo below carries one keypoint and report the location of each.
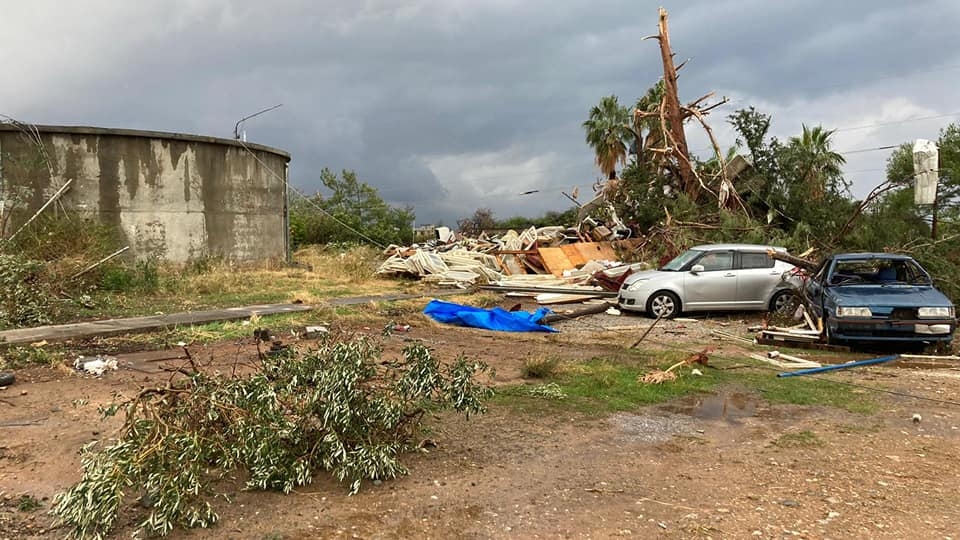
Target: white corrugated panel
(925, 168)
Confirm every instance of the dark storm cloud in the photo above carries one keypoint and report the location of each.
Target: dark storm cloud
(452, 105)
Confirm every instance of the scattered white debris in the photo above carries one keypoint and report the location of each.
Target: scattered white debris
(917, 418)
(613, 311)
(95, 366)
(696, 372)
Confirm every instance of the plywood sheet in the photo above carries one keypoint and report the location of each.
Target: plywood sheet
(596, 251)
(573, 254)
(555, 260)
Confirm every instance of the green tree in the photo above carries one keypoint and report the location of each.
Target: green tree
(817, 169)
(761, 187)
(353, 212)
(481, 220)
(647, 130)
(608, 132)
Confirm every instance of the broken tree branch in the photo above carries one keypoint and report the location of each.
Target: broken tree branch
(50, 201)
(877, 191)
(796, 261)
(101, 261)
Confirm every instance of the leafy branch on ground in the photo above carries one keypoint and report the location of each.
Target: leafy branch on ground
(339, 408)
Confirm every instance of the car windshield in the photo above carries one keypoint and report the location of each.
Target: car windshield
(878, 271)
(678, 262)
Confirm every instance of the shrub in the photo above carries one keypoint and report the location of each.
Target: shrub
(23, 300)
(338, 408)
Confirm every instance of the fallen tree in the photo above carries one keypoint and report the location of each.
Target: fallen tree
(339, 408)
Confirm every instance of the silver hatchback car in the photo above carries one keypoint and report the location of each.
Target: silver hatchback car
(712, 277)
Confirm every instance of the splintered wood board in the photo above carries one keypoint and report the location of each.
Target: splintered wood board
(573, 254)
(593, 251)
(555, 260)
(548, 299)
(512, 264)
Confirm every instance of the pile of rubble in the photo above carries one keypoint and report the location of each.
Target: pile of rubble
(561, 259)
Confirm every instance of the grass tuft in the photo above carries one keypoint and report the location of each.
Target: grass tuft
(540, 368)
(798, 439)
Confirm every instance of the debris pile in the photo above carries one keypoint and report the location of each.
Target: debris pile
(571, 259)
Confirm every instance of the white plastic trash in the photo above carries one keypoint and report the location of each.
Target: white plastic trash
(96, 366)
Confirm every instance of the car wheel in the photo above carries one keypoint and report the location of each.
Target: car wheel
(784, 302)
(663, 305)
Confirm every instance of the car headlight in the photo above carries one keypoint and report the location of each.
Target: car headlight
(935, 312)
(847, 311)
(637, 285)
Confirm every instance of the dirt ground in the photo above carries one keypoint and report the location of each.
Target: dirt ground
(728, 465)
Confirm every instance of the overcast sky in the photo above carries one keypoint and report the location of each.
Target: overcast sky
(453, 105)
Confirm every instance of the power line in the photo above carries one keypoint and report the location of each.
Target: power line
(862, 150)
(895, 122)
(306, 198)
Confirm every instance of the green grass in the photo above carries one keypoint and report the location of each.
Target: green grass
(807, 391)
(24, 356)
(28, 503)
(540, 368)
(602, 386)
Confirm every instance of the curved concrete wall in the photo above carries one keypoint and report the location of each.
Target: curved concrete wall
(172, 196)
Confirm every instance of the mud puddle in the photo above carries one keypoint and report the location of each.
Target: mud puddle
(731, 407)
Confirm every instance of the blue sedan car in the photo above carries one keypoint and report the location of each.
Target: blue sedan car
(879, 297)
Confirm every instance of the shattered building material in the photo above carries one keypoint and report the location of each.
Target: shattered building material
(552, 256)
(784, 361)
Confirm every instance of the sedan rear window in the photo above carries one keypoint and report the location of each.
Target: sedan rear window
(755, 260)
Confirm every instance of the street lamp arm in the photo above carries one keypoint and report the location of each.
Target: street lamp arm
(236, 127)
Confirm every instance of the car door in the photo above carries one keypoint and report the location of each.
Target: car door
(815, 288)
(713, 288)
(757, 276)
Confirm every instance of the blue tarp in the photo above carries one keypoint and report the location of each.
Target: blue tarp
(490, 319)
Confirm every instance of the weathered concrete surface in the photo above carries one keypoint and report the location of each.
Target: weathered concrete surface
(171, 196)
(113, 327)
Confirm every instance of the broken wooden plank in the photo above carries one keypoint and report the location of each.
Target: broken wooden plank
(802, 344)
(548, 299)
(789, 336)
(560, 290)
(596, 251)
(788, 364)
(591, 310)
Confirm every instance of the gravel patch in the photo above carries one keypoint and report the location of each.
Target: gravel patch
(653, 428)
(691, 331)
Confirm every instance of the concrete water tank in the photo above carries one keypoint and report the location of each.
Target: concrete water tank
(171, 196)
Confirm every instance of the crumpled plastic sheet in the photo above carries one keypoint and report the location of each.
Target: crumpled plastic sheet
(490, 319)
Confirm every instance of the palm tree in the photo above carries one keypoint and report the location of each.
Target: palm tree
(649, 104)
(608, 130)
(818, 166)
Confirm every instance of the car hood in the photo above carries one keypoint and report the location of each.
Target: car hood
(647, 275)
(888, 295)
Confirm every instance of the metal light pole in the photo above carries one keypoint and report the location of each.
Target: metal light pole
(236, 127)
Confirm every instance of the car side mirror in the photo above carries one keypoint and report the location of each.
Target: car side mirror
(696, 269)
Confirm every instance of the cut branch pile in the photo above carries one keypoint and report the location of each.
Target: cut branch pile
(339, 408)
